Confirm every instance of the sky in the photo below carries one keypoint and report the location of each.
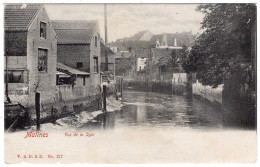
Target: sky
(124, 20)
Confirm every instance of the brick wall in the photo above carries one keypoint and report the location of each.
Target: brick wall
(73, 53)
(43, 82)
(15, 43)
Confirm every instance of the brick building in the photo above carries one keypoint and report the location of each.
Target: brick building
(79, 48)
(30, 51)
(111, 61)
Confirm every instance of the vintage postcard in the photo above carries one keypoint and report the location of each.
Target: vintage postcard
(129, 83)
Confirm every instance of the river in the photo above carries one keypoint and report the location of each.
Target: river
(151, 109)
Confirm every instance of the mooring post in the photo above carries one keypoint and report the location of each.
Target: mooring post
(104, 98)
(38, 110)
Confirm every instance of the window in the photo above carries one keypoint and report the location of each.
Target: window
(95, 41)
(95, 64)
(42, 60)
(43, 30)
(79, 64)
(15, 76)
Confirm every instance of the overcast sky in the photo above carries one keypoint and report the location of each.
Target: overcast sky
(124, 20)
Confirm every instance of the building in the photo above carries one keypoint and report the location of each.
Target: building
(111, 61)
(141, 63)
(71, 83)
(79, 48)
(142, 36)
(171, 40)
(30, 54)
(125, 65)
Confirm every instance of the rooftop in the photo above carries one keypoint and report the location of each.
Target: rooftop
(70, 69)
(75, 31)
(76, 24)
(18, 17)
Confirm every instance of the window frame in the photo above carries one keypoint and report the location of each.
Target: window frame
(96, 66)
(42, 49)
(45, 28)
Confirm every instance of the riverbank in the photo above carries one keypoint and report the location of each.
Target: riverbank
(76, 121)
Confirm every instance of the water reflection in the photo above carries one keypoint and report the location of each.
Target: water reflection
(149, 109)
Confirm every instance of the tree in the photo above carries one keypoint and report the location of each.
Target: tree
(175, 57)
(225, 43)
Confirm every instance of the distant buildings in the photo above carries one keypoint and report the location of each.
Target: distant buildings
(173, 40)
(154, 53)
(31, 53)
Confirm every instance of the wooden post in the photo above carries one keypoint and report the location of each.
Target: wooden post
(105, 98)
(38, 110)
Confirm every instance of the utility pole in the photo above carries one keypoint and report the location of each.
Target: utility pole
(105, 24)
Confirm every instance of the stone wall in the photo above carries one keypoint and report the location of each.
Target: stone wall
(207, 92)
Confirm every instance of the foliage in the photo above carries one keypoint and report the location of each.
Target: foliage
(176, 57)
(225, 43)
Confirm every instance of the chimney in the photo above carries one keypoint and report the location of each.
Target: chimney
(175, 42)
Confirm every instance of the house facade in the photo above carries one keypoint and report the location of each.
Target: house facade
(79, 47)
(30, 54)
(111, 61)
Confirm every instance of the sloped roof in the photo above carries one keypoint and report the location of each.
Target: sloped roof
(76, 24)
(71, 70)
(110, 53)
(75, 31)
(18, 17)
(74, 36)
(139, 35)
(182, 38)
(123, 55)
(155, 37)
(102, 46)
(135, 45)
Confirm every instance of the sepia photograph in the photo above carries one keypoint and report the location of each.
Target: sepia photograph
(137, 83)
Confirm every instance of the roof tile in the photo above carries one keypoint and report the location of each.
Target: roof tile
(18, 17)
(75, 31)
(74, 36)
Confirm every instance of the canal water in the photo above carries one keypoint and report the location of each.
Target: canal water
(150, 109)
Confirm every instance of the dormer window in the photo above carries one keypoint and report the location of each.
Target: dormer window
(43, 30)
